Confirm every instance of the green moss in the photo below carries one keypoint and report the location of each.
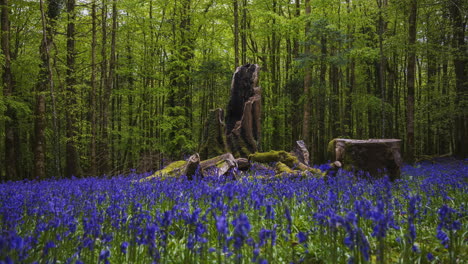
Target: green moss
(283, 168)
(274, 156)
(220, 164)
(172, 169)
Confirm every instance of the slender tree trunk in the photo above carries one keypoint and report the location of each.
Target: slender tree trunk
(106, 86)
(350, 70)
(179, 98)
(460, 62)
(93, 101)
(431, 85)
(382, 64)
(411, 71)
(244, 32)
(72, 157)
(307, 83)
(12, 149)
(236, 33)
(113, 78)
(320, 102)
(45, 80)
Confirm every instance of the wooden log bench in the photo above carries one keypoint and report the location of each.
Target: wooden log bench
(378, 157)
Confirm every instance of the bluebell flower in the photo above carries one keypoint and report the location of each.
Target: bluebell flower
(430, 257)
(270, 212)
(241, 230)
(50, 244)
(443, 237)
(123, 247)
(302, 237)
(104, 255)
(287, 214)
(221, 224)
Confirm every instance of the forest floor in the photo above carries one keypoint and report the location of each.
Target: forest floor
(422, 217)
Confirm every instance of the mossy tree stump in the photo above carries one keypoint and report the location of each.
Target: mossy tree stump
(375, 156)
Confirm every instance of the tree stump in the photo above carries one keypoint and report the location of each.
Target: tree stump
(301, 152)
(243, 164)
(375, 156)
(214, 135)
(243, 116)
(193, 164)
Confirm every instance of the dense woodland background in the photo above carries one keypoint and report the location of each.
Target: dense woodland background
(95, 87)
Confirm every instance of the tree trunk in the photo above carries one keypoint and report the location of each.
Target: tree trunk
(179, 96)
(460, 62)
(244, 32)
(236, 33)
(72, 157)
(93, 98)
(321, 140)
(112, 78)
(12, 149)
(307, 82)
(104, 166)
(382, 64)
(45, 80)
(411, 71)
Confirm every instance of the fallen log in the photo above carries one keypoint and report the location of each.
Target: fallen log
(285, 162)
(274, 156)
(177, 168)
(222, 163)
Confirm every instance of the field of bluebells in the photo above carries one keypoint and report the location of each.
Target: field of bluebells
(420, 218)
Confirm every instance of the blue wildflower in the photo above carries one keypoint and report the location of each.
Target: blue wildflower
(123, 247)
(104, 255)
(302, 237)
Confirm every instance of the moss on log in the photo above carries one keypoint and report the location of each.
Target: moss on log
(173, 169)
(274, 156)
(282, 168)
(177, 168)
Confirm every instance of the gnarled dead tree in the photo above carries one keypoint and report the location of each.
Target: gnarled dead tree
(243, 116)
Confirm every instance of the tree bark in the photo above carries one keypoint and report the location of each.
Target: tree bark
(93, 98)
(236, 33)
(72, 157)
(382, 63)
(12, 149)
(244, 32)
(45, 80)
(460, 62)
(104, 156)
(307, 82)
(411, 70)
